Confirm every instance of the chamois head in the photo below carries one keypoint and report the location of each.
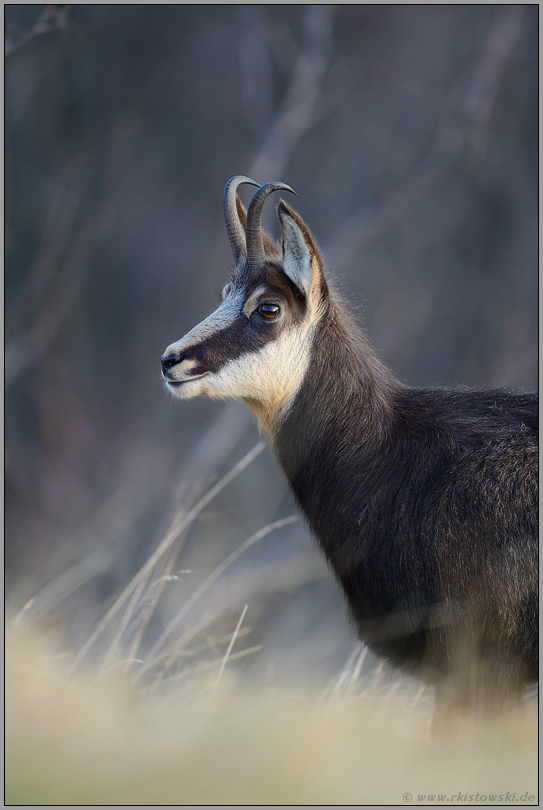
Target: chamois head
(256, 345)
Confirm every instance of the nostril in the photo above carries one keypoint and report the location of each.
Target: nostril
(169, 362)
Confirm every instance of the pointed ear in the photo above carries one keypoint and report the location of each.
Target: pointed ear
(242, 213)
(301, 258)
(270, 248)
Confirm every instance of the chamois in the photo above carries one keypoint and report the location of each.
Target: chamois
(423, 501)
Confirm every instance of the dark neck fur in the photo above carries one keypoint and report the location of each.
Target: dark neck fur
(409, 494)
(345, 378)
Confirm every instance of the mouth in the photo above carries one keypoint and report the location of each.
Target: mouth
(179, 383)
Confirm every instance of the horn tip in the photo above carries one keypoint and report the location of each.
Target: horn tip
(284, 187)
(242, 179)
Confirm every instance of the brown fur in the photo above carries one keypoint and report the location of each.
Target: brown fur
(423, 501)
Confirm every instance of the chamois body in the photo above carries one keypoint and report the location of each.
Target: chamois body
(425, 504)
(423, 501)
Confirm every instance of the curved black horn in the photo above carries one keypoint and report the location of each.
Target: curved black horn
(255, 246)
(236, 234)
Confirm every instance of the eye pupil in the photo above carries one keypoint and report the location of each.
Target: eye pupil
(269, 311)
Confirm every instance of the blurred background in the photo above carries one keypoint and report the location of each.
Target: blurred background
(410, 134)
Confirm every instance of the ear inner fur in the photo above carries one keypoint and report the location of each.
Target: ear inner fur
(301, 258)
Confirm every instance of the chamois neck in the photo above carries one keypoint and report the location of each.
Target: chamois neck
(345, 378)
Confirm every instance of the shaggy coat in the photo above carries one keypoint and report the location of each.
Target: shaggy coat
(423, 501)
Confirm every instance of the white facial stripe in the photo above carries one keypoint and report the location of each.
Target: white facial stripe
(182, 369)
(249, 306)
(225, 315)
(269, 378)
(225, 292)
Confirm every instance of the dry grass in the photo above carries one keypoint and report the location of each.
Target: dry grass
(75, 739)
(167, 718)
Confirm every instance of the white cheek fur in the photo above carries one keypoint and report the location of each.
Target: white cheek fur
(270, 376)
(268, 379)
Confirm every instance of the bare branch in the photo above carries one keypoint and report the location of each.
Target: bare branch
(28, 347)
(467, 116)
(63, 263)
(296, 114)
(52, 18)
(255, 63)
(499, 45)
(55, 237)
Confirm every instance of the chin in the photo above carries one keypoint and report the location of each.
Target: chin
(191, 388)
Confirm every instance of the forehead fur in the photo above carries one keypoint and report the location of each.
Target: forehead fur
(274, 278)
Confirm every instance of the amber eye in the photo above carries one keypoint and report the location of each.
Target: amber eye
(268, 311)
